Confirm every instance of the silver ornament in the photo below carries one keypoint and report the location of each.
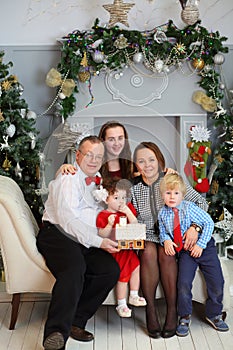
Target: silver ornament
(159, 65)
(62, 96)
(97, 56)
(219, 59)
(33, 139)
(221, 86)
(138, 57)
(11, 130)
(31, 115)
(23, 112)
(18, 170)
(20, 89)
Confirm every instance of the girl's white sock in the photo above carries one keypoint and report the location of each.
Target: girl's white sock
(134, 293)
(121, 302)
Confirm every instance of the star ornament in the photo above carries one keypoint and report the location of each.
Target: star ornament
(118, 12)
(226, 225)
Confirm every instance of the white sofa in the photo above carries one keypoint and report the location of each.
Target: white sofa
(25, 269)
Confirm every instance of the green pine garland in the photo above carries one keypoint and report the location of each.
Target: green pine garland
(192, 42)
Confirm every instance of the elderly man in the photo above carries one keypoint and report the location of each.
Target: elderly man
(78, 258)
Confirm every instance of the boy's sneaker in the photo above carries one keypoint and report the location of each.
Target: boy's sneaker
(183, 328)
(218, 323)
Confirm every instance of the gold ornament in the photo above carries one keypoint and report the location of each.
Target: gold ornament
(54, 79)
(6, 164)
(1, 116)
(180, 49)
(206, 102)
(219, 158)
(121, 42)
(84, 62)
(84, 76)
(118, 12)
(6, 85)
(214, 187)
(14, 79)
(198, 63)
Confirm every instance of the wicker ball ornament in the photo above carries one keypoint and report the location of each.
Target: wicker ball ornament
(190, 14)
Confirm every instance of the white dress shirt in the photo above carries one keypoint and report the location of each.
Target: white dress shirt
(71, 205)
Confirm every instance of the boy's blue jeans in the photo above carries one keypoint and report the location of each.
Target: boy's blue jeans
(210, 266)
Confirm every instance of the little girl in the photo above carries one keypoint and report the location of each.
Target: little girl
(114, 194)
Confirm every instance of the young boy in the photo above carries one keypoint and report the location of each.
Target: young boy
(203, 254)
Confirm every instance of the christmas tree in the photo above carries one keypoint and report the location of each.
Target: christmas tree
(19, 143)
(220, 196)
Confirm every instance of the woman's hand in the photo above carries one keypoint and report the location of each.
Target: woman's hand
(67, 169)
(170, 171)
(169, 247)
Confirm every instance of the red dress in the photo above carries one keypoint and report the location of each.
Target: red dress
(126, 259)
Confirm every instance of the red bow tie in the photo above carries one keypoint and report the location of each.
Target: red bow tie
(95, 179)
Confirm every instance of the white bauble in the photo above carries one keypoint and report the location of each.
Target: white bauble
(23, 112)
(219, 59)
(62, 96)
(11, 130)
(31, 115)
(159, 65)
(98, 56)
(138, 57)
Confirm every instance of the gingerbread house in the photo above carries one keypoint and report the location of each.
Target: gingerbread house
(131, 236)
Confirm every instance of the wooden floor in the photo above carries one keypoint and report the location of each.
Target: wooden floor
(111, 331)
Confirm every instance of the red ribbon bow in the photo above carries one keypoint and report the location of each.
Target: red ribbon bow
(96, 179)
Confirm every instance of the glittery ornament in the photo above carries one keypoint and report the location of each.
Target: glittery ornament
(1, 116)
(6, 164)
(198, 63)
(138, 57)
(84, 76)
